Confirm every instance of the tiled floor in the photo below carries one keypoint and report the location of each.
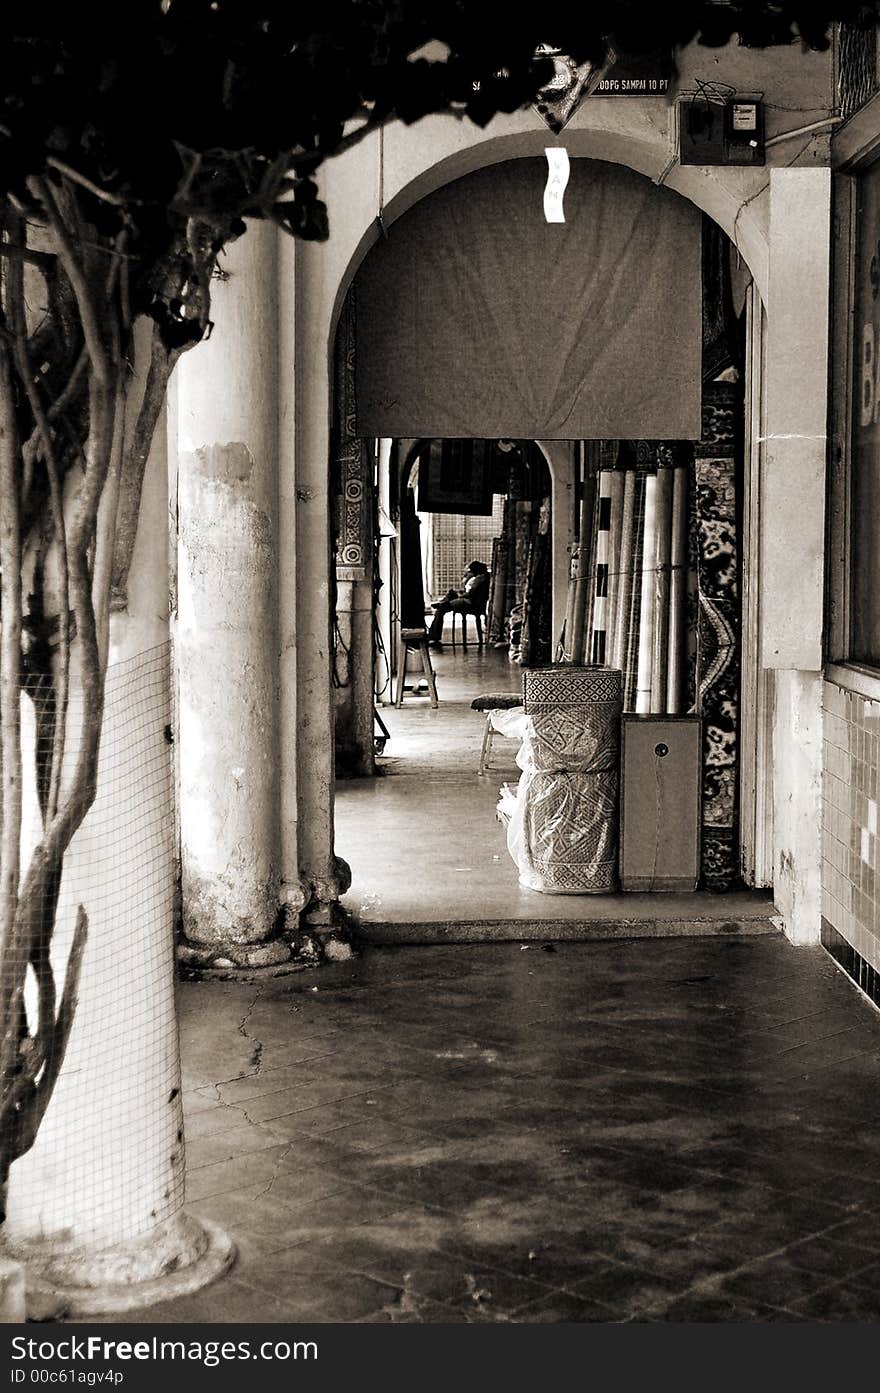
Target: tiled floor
(443, 871)
(666, 1130)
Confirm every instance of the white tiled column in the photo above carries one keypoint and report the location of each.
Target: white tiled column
(793, 530)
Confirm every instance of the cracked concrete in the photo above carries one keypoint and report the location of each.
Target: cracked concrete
(257, 1054)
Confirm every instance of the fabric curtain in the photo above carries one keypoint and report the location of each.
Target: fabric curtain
(475, 317)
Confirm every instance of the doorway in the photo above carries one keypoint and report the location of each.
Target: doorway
(678, 642)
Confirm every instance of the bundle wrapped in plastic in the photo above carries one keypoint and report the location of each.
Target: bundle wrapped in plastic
(562, 832)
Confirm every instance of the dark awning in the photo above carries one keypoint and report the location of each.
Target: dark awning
(475, 317)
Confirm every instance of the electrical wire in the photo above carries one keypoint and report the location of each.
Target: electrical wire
(339, 645)
(803, 130)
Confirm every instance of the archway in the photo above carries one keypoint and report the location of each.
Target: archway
(631, 435)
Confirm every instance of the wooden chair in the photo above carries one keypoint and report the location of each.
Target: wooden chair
(464, 615)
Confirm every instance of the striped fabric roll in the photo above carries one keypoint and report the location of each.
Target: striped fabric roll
(624, 572)
(663, 533)
(635, 594)
(599, 640)
(647, 607)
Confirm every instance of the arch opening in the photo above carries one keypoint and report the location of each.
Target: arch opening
(578, 504)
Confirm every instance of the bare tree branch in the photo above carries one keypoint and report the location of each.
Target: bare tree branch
(104, 194)
(10, 713)
(62, 681)
(76, 275)
(131, 485)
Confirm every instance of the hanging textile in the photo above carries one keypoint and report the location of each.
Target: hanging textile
(477, 318)
(519, 612)
(678, 639)
(514, 495)
(412, 593)
(581, 572)
(720, 337)
(495, 610)
(718, 629)
(455, 476)
(616, 490)
(538, 602)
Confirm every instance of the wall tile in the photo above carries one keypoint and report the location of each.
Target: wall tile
(851, 820)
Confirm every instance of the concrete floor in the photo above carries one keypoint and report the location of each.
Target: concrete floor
(677, 1128)
(667, 1130)
(429, 857)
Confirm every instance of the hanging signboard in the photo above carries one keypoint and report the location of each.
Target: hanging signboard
(621, 75)
(637, 75)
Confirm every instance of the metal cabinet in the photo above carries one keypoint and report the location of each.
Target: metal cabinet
(661, 771)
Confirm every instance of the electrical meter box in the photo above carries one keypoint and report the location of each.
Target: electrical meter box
(720, 130)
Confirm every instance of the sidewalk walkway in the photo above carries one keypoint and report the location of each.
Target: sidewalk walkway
(430, 861)
(677, 1130)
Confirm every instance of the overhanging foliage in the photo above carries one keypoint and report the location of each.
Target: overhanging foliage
(135, 140)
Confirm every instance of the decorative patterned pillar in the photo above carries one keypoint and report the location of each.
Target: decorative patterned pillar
(352, 475)
(718, 623)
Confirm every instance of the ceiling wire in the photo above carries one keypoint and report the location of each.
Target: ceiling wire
(380, 184)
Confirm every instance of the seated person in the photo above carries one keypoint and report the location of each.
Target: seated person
(471, 599)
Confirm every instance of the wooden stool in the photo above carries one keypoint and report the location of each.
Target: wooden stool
(414, 638)
(464, 615)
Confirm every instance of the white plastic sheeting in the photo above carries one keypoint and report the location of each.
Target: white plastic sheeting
(562, 827)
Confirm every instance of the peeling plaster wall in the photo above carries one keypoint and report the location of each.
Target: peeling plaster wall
(793, 554)
(226, 633)
(226, 541)
(797, 802)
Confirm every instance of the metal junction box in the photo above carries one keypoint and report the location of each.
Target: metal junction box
(718, 129)
(661, 776)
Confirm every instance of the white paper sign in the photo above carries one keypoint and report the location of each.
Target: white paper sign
(557, 181)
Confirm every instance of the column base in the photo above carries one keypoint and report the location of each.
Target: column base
(326, 939)
(323, 910)
(326, 931)
(275, 953)
(13, 1310)
(177, 1258)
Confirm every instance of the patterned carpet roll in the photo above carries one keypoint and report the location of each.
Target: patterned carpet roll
(564, 838)
(570, 829)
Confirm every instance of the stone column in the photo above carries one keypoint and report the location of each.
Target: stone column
(95, 1208)
(326, 875)
(793, 530)
(384, 605)
(354, 700)
(560, 456)
(227, 644)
